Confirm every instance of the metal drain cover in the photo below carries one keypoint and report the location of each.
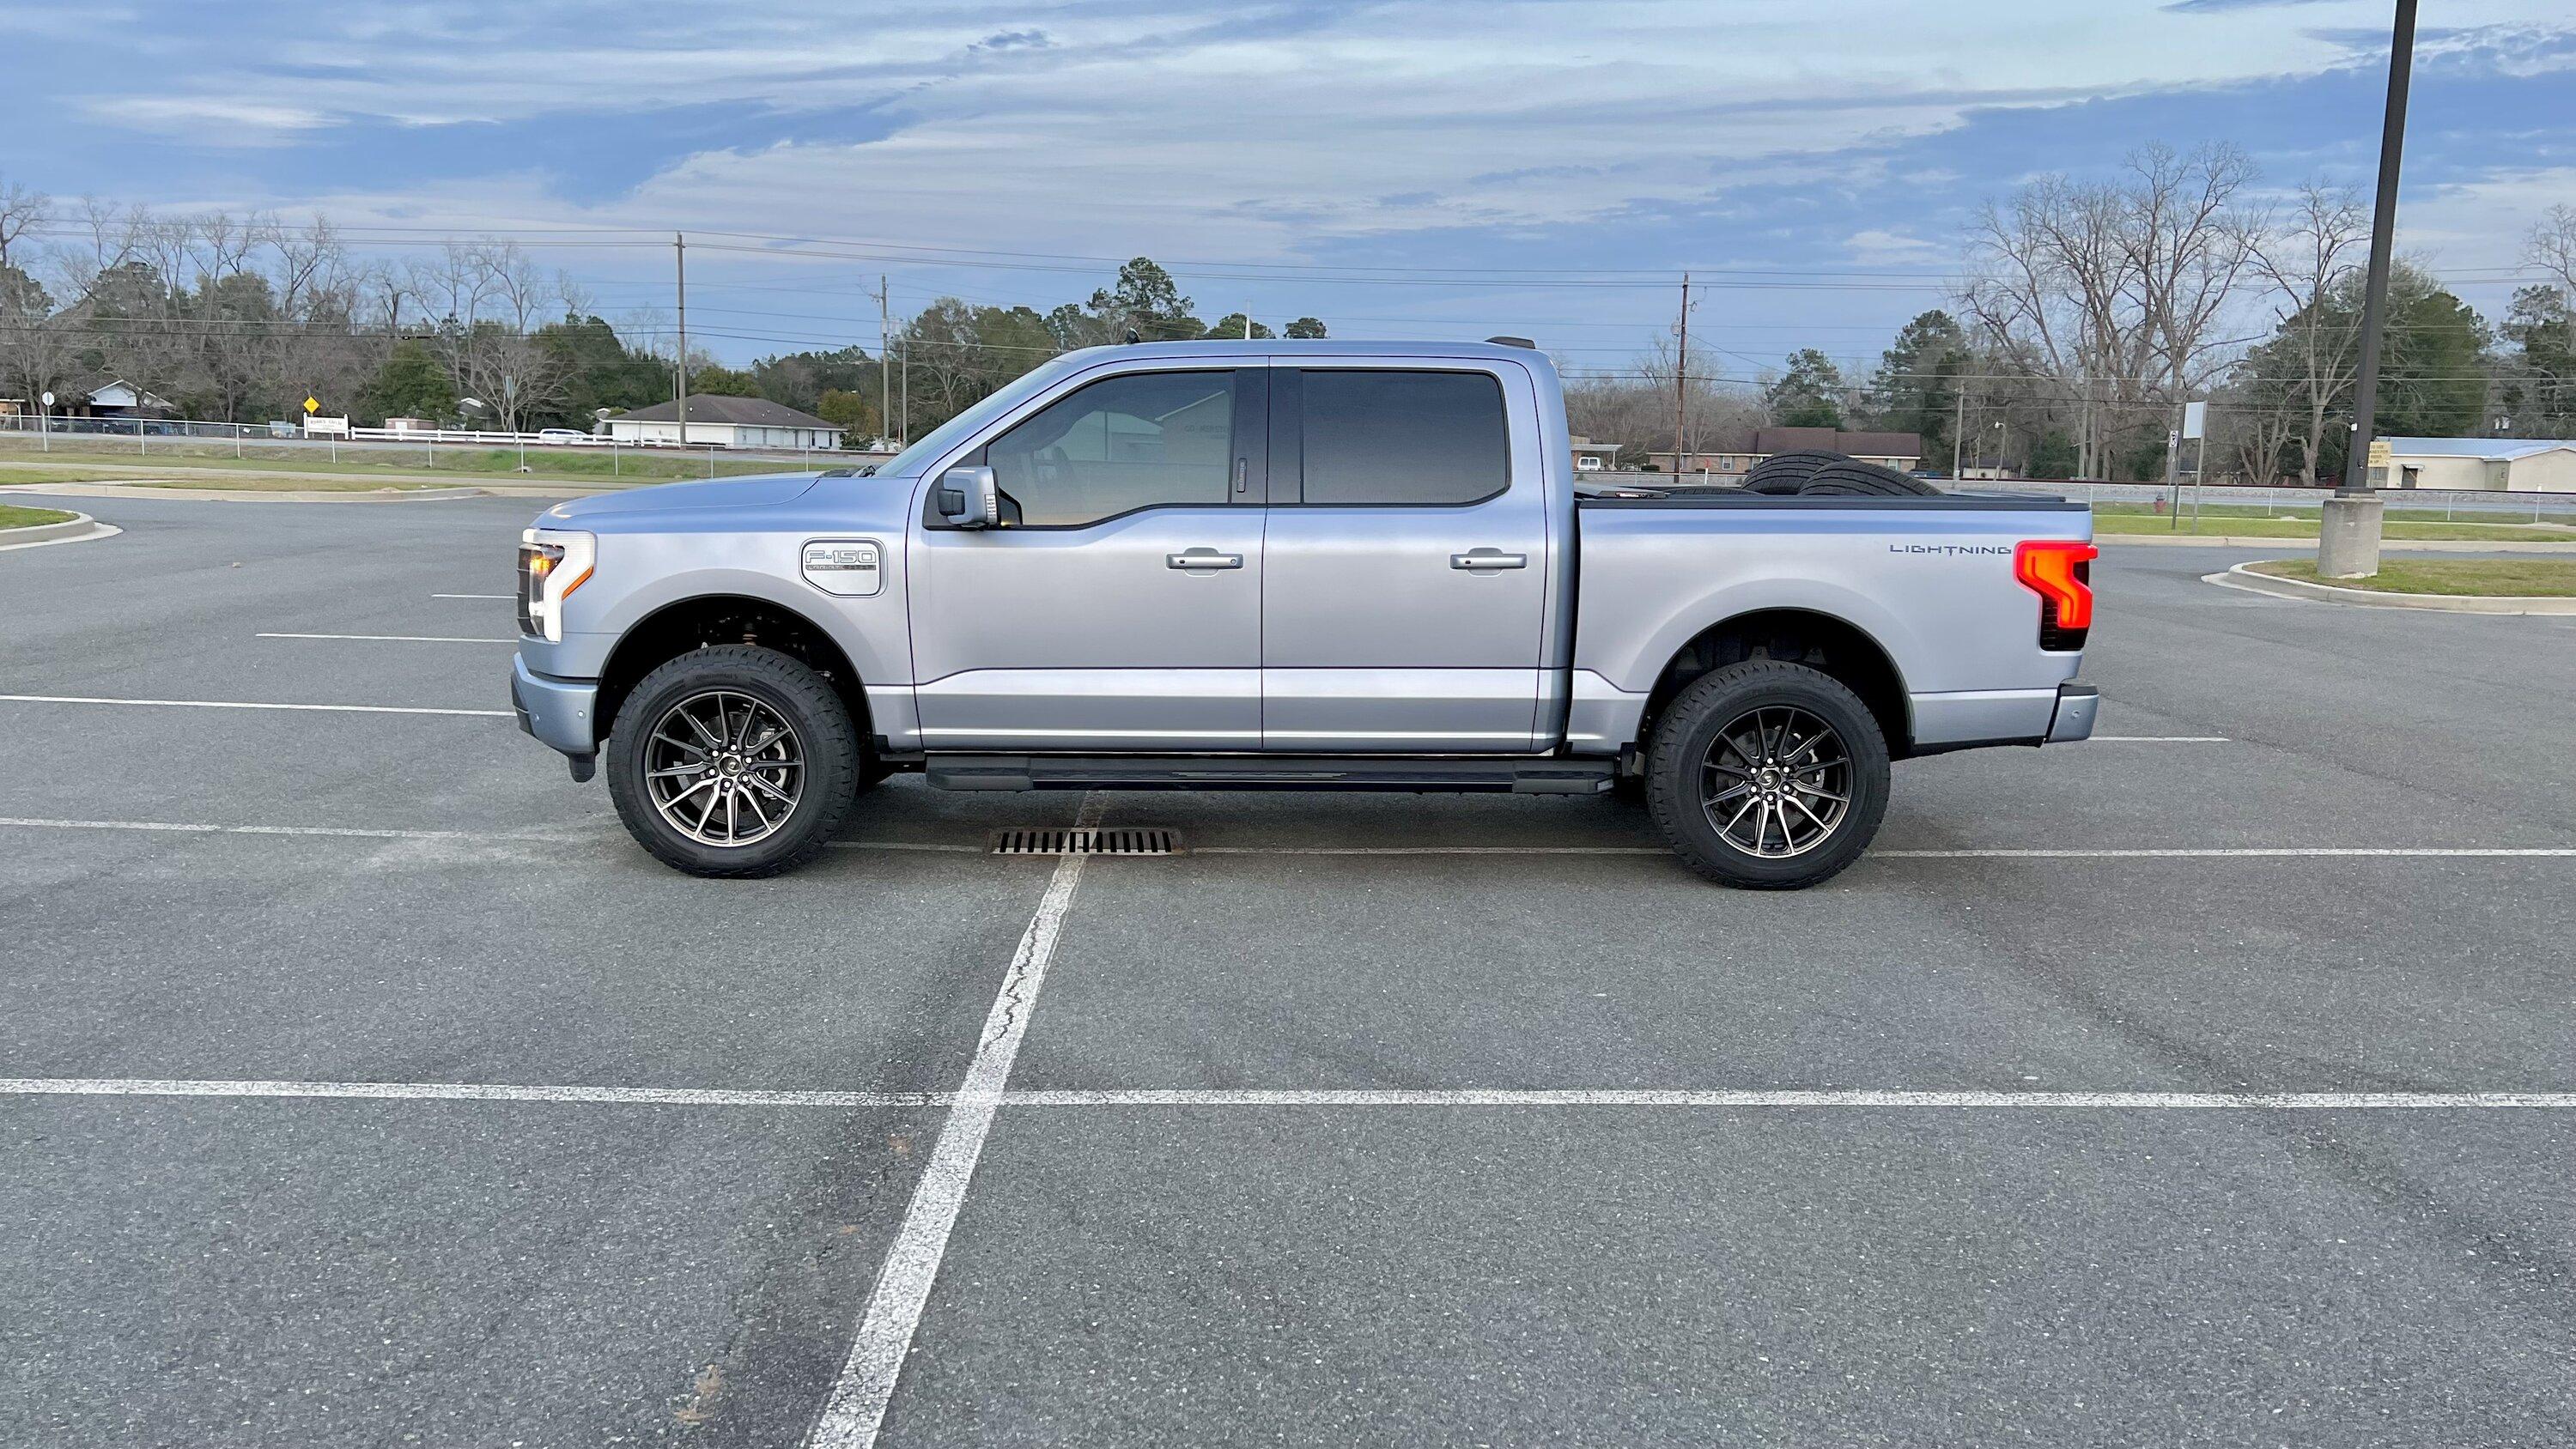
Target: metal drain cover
(1121, 841)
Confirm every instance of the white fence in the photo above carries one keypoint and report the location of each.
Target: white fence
(431, 448)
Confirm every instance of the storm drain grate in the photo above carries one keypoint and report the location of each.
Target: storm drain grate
(1151, 841)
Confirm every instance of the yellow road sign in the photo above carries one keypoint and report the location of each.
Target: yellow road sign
(312, 405)
(2379, 453)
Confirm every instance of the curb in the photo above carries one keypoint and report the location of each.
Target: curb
(79, 528)
(2243, 577)
(2393, 545)
(146, 488)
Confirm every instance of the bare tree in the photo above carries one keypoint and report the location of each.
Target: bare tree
(2551, 247)
(487, 300)
(28, 344)
(2306, 261)
(2116, 289)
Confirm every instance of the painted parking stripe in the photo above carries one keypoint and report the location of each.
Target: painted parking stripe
(459, 1092)
(248, 704)
(474, 596)
(857, 1404)
(1995, 853)
(2253, 852)
(1356, 1097)
(2057, 1101)
(2160, 740)
(395, 638)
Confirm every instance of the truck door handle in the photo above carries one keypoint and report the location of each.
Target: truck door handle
(1202, 558)
(1487, 558)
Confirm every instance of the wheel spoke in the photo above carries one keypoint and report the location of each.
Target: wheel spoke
(781, 796)
(660, 738)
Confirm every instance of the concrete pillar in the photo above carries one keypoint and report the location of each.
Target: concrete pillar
(2348, 542)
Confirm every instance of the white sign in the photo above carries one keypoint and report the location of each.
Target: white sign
(2195, 419)
(49, 397)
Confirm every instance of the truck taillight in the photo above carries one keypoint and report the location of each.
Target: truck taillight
(2060, 571)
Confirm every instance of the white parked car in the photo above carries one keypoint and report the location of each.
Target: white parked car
(561, 435)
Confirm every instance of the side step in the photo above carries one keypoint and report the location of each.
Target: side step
(1521, 776)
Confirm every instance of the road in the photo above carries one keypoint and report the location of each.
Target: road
(1369, 1119)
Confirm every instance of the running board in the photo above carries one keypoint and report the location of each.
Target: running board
(1269, 772)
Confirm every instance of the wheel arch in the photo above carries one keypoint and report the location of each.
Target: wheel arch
(1830, 645)
(703, 620)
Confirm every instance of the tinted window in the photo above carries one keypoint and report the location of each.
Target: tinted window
(1402, 437)
(1120, 444)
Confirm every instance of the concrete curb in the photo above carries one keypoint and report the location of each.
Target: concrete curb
(145, 488)
(2243, 576)
(2394, 545)
(79, 528)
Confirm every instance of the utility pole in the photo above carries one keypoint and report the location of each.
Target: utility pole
(1247, 324)
(1681, 384)
(680, 260)
(885, 352)
(2349, 543)
(1959, 431)
(904, 439)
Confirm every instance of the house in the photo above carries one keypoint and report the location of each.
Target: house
(117, 398)
(1737, 450)
(1592, 457)
(2499, 465)
(727, 422)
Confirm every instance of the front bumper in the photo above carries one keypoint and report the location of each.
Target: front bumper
(2076, 706)
(556, 711)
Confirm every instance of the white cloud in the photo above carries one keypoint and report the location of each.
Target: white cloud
(1888, 248)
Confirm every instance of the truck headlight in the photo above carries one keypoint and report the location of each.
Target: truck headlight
(552, 563)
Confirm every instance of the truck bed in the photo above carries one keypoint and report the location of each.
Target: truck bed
(1928, 580)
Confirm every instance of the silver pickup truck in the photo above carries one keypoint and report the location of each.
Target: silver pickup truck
(1299, 565)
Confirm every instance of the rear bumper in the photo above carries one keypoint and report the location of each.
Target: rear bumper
(556, 711)
(2076, 706)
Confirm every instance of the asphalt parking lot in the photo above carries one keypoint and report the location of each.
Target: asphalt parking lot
(2210, 1083)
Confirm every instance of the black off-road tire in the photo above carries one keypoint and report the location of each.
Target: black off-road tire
(1831, 475)
(833, 758)
(1688, 730)
(1788, 472)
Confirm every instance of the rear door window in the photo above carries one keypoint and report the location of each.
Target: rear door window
(1367, 436)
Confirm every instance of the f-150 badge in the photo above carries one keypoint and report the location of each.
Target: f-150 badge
(844, 566)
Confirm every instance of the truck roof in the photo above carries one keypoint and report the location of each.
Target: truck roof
(1326, 347)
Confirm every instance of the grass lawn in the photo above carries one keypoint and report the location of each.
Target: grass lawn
(500, 464)
(2256, 526)
(2483, 578)
(270, 483)
(12, 516)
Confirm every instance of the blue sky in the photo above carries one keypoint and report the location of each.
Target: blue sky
(1816, 162)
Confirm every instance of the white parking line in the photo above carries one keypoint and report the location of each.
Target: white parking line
(857, 1405)
(354, 832)
(247, 704)
(2097, 1101)
(2215, 852)
(460, 1092)
(1995, 853)
(2160, 740)
(394, 638)
(512, 597)
(1261, 1097)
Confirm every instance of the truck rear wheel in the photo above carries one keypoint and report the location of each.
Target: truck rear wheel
(733, 761)
(1767, 775)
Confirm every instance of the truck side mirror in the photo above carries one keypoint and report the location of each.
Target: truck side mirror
(969, 498)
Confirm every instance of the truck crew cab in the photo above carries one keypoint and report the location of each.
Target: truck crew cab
(1310, 565)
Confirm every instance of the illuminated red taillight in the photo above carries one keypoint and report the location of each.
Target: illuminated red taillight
(2060, 572)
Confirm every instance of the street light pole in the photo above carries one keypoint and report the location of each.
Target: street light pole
(2349, 545)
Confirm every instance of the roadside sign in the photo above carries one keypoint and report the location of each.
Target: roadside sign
(312, 406)
(2195, 419)
(2380, 453)
(49, 397)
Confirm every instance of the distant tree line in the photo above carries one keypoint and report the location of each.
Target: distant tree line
(2087, 312)
(239, 319)
(2090, 310)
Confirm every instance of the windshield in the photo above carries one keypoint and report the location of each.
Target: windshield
(947, 435)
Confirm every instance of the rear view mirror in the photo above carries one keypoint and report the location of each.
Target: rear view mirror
(969, 498)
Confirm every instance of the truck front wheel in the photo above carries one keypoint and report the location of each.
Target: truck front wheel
(733, 761)
(1767, 775)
